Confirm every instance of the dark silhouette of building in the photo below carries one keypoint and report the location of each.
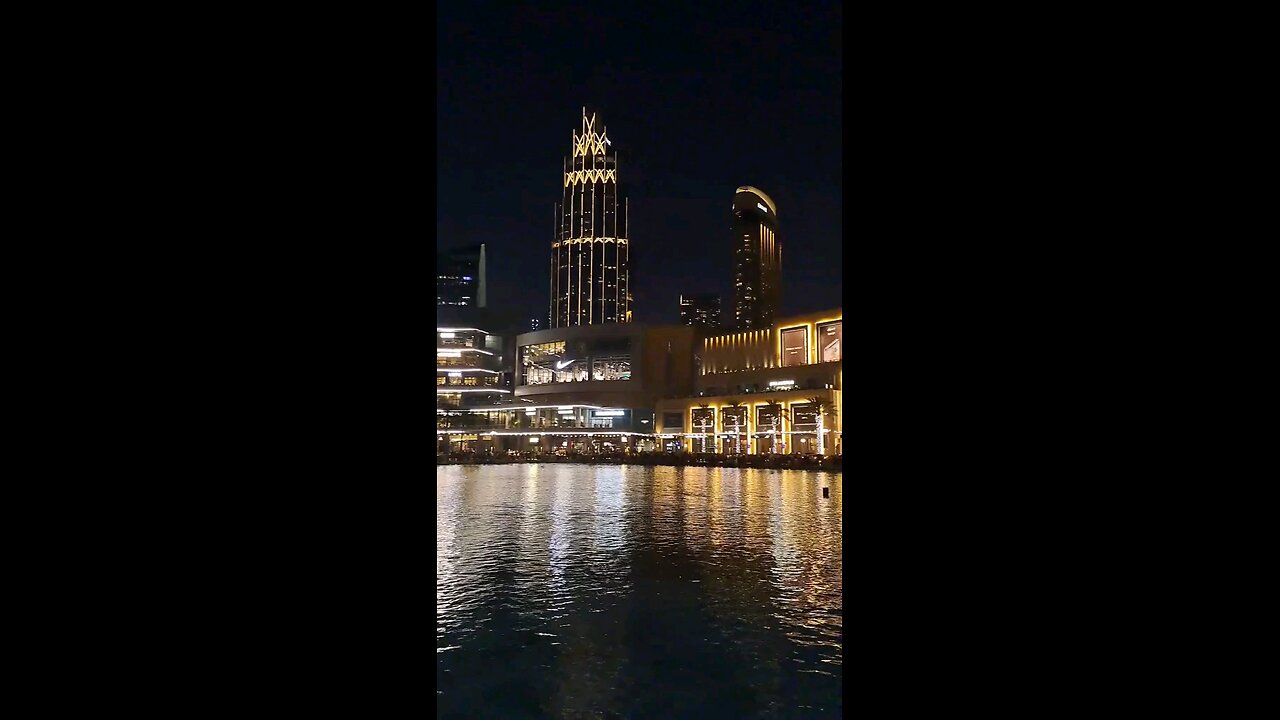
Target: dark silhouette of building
(590, 256)
(701, 310)
(460, 276)
(757, 260)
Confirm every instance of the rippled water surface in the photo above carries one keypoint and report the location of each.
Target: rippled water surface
(578, 591)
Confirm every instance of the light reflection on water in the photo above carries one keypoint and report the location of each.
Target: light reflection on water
(584, 591)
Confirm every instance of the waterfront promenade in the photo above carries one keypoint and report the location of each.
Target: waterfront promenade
(833, 463)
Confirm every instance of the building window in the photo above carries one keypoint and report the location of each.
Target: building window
(606, 359)
(830, 341)
(538, 363)
(734, 420)
(616, 367)
(795, 346)
(804, 417)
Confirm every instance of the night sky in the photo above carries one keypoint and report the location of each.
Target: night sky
(696, 104)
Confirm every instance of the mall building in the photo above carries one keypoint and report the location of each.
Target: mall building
(637, 387)
(776, 389)
(586, 388)
(474, 349)
(469, 367)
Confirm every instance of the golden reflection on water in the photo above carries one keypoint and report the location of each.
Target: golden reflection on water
(744, 516)
(614, 584)
(715, 517)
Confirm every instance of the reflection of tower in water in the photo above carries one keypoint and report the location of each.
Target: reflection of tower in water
(696, 495)
(558, 546)
(716, 534)
(532, 530)
(610, 511)
(755, 502)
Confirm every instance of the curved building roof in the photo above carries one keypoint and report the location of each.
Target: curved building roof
(760, 194)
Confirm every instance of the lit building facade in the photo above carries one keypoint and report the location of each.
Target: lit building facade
(586, 388)
(470, 368)
(616, 366)
(590, 255)
(701, 311)
(460, 277)
(757, 260)
(769, 390)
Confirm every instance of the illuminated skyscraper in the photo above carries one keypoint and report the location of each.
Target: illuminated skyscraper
(590, 268)
(701, 310)
(460, 276)
(757, 260)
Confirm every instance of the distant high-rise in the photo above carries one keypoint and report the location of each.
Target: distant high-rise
(460, 276)
(533, 324)
(590, 256)
(702, 310)
(757, 260)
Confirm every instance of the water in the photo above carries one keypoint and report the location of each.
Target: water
(578, 591)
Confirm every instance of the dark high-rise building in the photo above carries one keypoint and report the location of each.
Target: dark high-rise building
(460, 276)
(757, 260)
(701, 310)
(590, 256)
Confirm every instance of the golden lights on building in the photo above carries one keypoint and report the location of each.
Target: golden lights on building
(757, 390)
(590, 255)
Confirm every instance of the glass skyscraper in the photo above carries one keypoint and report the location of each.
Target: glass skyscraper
(757, 260)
